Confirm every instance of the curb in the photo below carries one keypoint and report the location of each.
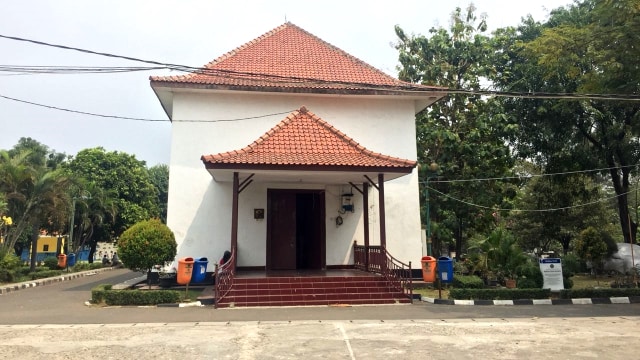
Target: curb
(582, 301)
(8, 288)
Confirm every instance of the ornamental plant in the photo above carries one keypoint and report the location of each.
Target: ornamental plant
(145, 244)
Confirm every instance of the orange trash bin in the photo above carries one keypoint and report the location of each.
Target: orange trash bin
(62, 261)
(428, 268)
(185, 268)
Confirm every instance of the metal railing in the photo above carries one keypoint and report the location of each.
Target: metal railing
(396, 273)
(224, 275)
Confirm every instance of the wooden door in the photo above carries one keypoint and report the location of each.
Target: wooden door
(281, 230)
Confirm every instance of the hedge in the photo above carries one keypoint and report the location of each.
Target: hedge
(499, 294)
(104, 294)
(467, 282)
(598, 293)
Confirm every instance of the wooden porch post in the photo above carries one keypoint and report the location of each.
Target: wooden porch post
(383, 227)
(234, 218)
(365, 206)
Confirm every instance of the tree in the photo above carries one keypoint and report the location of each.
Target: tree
(36, 196)
(125, 179)
(146, 244)
(594, 246)
(93, 207)
(554, 210)
(463, 134)
(587, 48)
(159, 175)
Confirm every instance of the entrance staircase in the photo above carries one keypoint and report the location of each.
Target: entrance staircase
(310, 290)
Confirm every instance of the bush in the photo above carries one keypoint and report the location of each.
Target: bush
(10, 262)
(7, 276)
(51, 262)
(567, 282)
(499, 294)
(103, 293)
(44, 274)
(598, 293)
(146, 244)
(467, 282)
(83, 266)
(571, 265)
(530, 276)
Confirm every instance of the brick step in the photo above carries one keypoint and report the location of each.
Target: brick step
(305, 291)
(308, 290)
(306, 279)
(272, 302)
(310, 285)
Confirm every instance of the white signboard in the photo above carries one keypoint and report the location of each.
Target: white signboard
(552, 274)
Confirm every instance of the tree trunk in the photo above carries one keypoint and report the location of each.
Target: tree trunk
(621, 187)
(35, 234)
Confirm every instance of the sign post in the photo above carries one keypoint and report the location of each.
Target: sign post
(552, 274)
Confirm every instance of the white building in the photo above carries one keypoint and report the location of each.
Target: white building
(268, 143)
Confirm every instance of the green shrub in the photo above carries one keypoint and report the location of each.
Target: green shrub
(44, 274)
(530, 276)
(499, 294)
(567, 282)
(104, 294)
(10, 262)
(467, 282)
(598, 293)
(7, 276)
(146, 244)
(571, 265)
(51, 262)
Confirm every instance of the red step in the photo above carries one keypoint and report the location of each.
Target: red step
(304, 291)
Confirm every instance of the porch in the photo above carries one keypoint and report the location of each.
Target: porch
(376, 278)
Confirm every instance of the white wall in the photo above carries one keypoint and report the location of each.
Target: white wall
(200, 208)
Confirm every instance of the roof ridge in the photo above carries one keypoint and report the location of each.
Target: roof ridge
(249, 43)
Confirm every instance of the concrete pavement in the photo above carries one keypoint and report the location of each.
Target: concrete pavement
(52, 322)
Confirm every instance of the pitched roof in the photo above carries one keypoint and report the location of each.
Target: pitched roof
(303, 140)
(289, 58)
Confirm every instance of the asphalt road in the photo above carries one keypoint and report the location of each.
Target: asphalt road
(54, 322)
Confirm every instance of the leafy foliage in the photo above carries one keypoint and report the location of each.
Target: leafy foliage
(127, 182)
(461, 132)
(589, 47)
(159, 175)
(595, 245)
(146, 244)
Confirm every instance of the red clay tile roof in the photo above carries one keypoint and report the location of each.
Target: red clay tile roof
(291, 59)
(302, 139)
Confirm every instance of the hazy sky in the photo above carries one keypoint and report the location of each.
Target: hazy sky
(185, 32)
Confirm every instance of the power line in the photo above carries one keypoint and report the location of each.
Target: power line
(141, 119)
(279, 78)
(526, 210)
(528, 176)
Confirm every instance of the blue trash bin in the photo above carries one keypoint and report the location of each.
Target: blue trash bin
(71, 259)
(445, 269)
(199, 270)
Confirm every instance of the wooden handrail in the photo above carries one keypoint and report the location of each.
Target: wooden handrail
(224, 276)
(397, 273)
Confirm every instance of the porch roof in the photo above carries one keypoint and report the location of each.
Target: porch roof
(305, 148)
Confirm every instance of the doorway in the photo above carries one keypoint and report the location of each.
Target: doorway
(295, 230)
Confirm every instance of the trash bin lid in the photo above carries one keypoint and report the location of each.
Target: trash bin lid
(444, 258)
(428, 258)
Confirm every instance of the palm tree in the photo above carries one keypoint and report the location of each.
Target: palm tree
(95, 208)
(36, 195)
